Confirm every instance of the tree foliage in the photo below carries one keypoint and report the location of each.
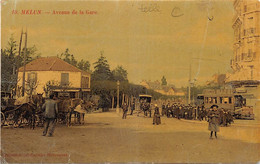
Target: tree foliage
(11, 61)
(101, 70)
(119, 73)
(164, 81)
(69, 58)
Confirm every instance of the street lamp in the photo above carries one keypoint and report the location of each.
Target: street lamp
(117, 104)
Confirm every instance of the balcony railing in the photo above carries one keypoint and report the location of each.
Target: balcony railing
(252, 7)
(250, 32)
(248, 57)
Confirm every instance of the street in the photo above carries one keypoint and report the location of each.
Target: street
(106, 137)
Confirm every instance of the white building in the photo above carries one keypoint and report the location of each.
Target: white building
(62, 77)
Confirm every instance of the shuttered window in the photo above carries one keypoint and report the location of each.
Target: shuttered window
(64, 79)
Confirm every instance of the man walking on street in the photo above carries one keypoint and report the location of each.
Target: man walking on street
(50, 113)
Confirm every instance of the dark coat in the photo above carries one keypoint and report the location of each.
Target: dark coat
(213, 121)
(156, 117)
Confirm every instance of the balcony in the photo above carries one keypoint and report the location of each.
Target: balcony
(250, 32)
(252, 7)
(248, 57)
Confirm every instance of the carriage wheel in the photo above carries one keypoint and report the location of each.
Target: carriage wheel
(61, 118)
(18, 122)
(2, 119)
(10, 119)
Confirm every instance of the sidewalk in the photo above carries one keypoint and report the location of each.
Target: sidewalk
(239, 123)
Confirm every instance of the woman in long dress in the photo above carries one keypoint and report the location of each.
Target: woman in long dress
(156, 117)
(213, 116)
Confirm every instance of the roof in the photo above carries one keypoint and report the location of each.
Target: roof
(49, 64)
(145, 96)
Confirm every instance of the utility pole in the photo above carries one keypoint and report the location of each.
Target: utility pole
(189, 84)
(117, 104)
(24, 57)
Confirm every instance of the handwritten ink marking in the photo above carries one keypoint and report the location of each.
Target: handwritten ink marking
(176, 12)
(210, 19)
(150, 8)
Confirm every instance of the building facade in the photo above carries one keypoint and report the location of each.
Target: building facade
(169, 90)
(246, 47)
(53, 74)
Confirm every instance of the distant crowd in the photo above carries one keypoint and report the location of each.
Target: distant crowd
(188, 112)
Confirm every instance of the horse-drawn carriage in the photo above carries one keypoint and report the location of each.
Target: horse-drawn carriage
(75, 108)
(28, 110)
(145, 103)
(22, 111)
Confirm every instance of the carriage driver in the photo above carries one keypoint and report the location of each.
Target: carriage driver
(50, 109)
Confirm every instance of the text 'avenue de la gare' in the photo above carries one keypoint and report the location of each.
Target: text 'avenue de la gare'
(54, 12)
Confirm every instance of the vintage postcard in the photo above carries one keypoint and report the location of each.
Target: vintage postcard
(130, 81)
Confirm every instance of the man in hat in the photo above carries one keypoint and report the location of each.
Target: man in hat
(132, 107)
(50, 109)
(163, 109)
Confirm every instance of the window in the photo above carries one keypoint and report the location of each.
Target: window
(215, 100)
(31, 83)
(230, 100)
(32, 77)
(210, 100)
(221, 100)
(64, 79)
(225, 100)
(85, 82)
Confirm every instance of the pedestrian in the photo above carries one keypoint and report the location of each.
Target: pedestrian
(163, 109)
(213, 117)
(156, 117)
(50, 109)
(132, 108)
(178, 109)
(125, 109)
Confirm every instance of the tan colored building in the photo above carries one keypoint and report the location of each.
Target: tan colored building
(62, 77)
(168, 90)
(246, 48)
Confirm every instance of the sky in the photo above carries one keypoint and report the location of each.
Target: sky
(150, 39)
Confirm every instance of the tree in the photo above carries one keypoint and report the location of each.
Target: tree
(69, 58)
(119, 73)
(101, 70)
(84, 65)
(164, 81)
(11, 61)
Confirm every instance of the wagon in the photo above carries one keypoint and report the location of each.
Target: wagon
(16, 115)
(145, 102)
(21, 111)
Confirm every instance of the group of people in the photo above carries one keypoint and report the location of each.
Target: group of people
(177, 110)
(146, 107)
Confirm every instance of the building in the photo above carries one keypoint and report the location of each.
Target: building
(246, 47)
(51, 74)
(169, 90)
(246, 52)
